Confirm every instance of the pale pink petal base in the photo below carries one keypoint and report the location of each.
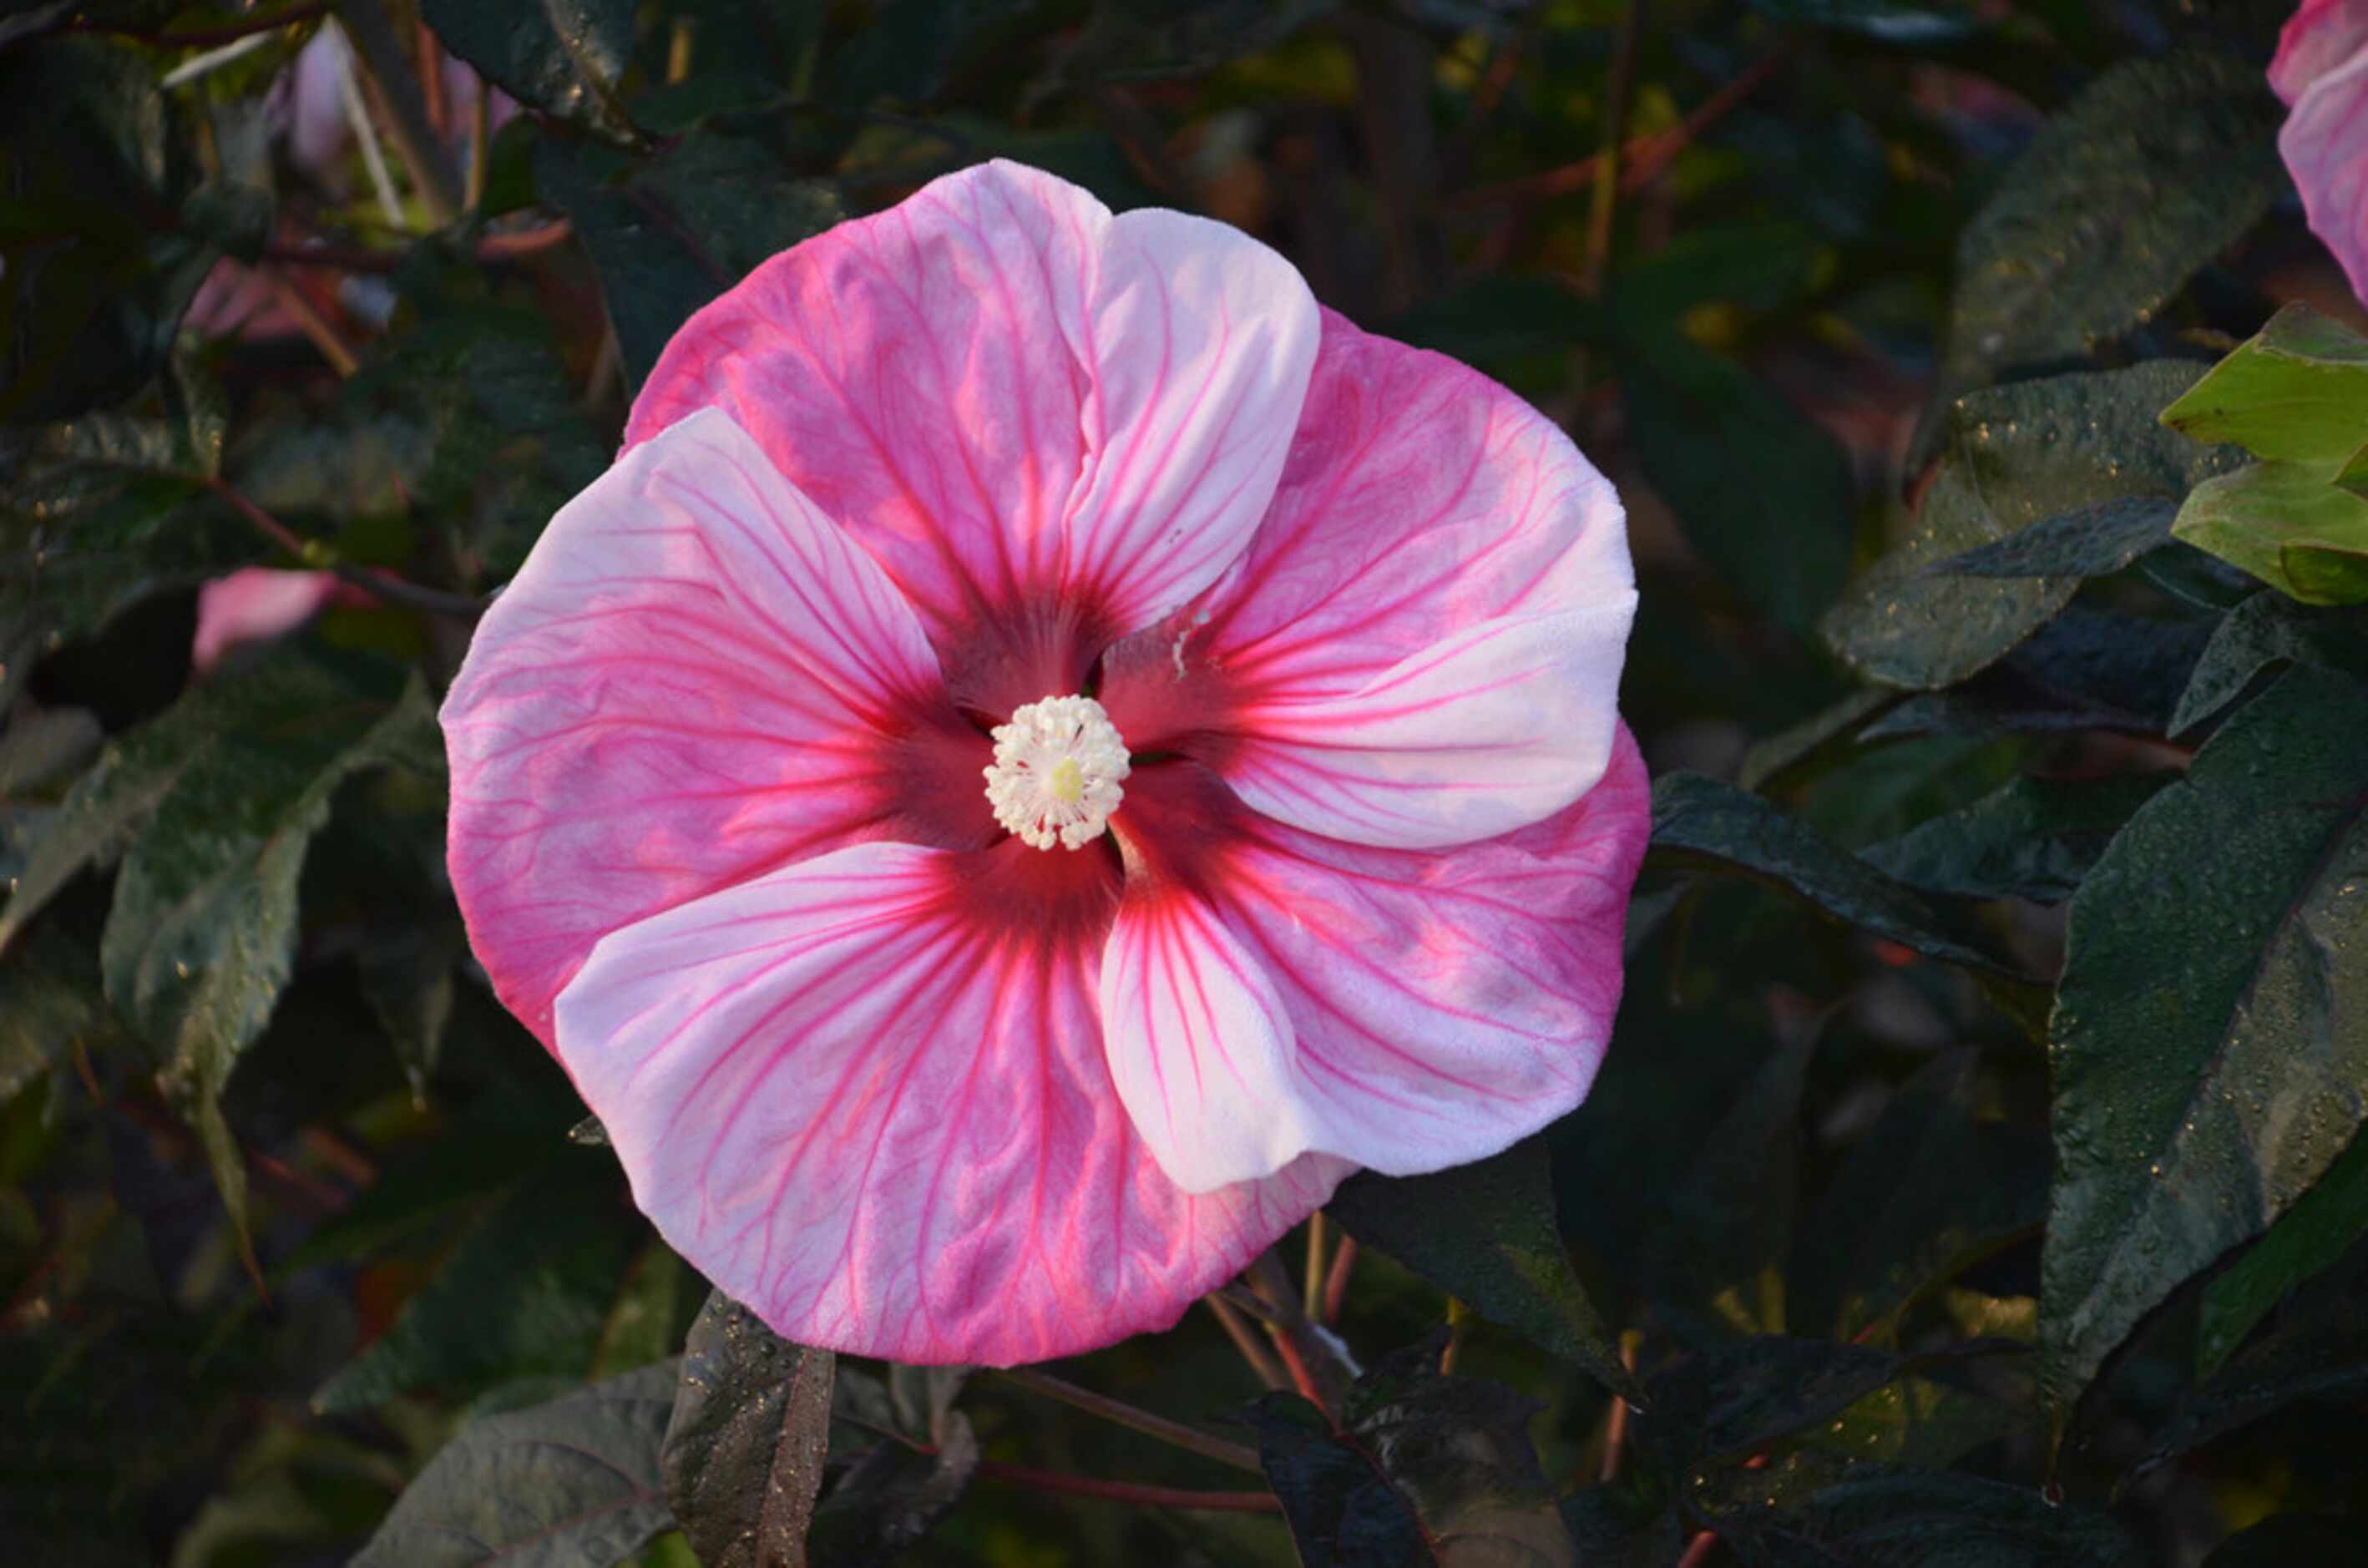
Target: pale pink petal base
(1423, 645)
(696, 678)
(881, 1117)
(1440, 1006)
(1049, 424)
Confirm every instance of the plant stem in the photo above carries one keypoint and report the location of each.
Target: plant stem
(1604, 199)
(381, 586)
(1698, 1550)
(1129, 1491)
(1335, 1284)
(1314, 1287)
(1240, 1456)
(1262, 1364)
(1615, 1420)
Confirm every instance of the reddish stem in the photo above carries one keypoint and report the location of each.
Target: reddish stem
(1129, 1492)
(1698, 1550)
(1336, 1283)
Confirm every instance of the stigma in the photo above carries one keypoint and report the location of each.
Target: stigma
(1057, 768)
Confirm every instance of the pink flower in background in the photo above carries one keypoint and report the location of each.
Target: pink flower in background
(1046, 752)
(2321, 72)
(255, 604)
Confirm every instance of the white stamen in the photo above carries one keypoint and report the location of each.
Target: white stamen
(1056, 772)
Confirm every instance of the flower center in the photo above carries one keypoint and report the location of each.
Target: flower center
(1056, 772)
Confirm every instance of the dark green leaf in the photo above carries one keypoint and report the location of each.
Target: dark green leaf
(526, 1292)
(2316, 1232)
(2033, 839)
(1729, 1221)
(2017, 456)
(2322, 1355)
(744, 1451)
(1423, 1468)
(2195, 1103)
(49, 1005)
(201, 936)
(1928, 1192)
(1486, 1233)
(2266, 631)
(1763, 494)
(1700, 821)
(104, 511)
(1125, 39)
(1894, 1517)
(892, 1494)
(559, 1485)
(109, 230)
(2155, 167)
(564, 57)
(2091, 541)
(1729, 1402)
(670, 234)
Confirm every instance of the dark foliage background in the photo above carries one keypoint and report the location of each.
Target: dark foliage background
(1974, 1178)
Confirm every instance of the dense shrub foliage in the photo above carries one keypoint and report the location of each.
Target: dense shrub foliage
(1973, 1178)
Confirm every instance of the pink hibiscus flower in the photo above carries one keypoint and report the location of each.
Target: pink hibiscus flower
(1046, 752)
(2321, 72)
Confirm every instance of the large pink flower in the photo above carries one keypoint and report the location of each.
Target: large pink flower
(2321, 71)
(1046, 752)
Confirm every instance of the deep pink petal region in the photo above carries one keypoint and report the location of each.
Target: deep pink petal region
(862, 1100)
(695, 678)
(1048, 424)
(1423, 643)
(2321, 70)
(1441, 1004)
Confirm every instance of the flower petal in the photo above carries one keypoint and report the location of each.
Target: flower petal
(859, 1098)
(1049, 424)
(255, 604)
(1199, 1045)
(2320, 37)
(1440, 1006)
(1423, 645)
(2325, 144)
(695, 678)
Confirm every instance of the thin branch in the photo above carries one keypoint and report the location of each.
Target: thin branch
(1129, 1491)
(1262, 1364)
(1460, 1319)
(1698, 1550)
(1238, 1455)
(1335, 1284)
(1642, 158)
(379, 52)
(1313, 1293)
(313, 324)
(1604, 199)
(1615, 1421)
(384, 587)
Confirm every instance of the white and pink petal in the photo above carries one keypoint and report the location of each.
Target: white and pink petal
(694, 679)
(1423, 643)
(1440, 1006)
(1048, 424)
(860, 1098)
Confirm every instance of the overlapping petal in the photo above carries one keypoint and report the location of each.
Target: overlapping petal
(696, 678)
(1423, 645)
(1049, 425)
(2321, 71)
(1439, 1005)
(880, 1115)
